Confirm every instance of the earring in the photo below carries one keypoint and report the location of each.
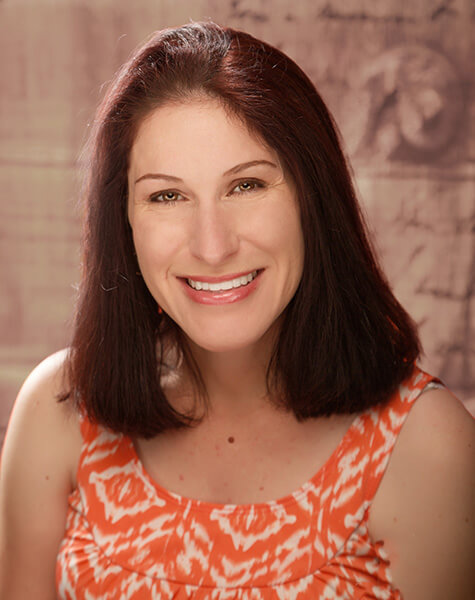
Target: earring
(160, 311)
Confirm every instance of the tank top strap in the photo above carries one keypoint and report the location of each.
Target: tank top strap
(382, 425)
(101, 449)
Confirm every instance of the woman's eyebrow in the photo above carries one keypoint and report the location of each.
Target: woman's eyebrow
(251, 163)
(232, 170)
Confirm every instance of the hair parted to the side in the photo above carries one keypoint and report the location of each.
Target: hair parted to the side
(345, 342)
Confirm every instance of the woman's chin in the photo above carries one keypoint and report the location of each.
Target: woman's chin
(221, 341)
(221, 345)
(235, 339)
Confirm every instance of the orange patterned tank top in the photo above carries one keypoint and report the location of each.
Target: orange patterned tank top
(128, 538)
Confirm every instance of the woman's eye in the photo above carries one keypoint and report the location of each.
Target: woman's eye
(168, 197)
(247, 186)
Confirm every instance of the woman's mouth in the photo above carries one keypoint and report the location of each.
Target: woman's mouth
(221, 286)
(227, 290)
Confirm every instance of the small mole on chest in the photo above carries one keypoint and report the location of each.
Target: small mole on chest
(231, 439)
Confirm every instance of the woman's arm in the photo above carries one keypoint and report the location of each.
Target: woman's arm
(37, 469)
(424, 508)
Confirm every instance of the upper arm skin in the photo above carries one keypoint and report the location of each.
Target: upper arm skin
(37, 467)
(424, 507)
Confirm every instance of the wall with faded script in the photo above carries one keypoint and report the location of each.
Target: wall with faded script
(397, 75)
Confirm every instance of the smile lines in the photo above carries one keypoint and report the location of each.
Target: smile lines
(222, 285)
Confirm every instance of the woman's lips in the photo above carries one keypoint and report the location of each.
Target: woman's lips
(221, 278)
(215, 298)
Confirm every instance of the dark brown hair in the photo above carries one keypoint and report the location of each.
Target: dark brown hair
(345, 342)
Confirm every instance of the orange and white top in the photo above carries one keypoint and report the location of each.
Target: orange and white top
(129, 538)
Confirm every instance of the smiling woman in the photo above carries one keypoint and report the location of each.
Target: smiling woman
(241, 412)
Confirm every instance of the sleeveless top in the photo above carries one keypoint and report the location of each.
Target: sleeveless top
(128, 538)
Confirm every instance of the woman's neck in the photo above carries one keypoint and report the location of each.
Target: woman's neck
(235, 380)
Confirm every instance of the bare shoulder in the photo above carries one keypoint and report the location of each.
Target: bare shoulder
(424, 507)
(38, 461)
(38, 416)
(48, 376)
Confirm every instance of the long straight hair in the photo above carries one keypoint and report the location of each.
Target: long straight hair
(345, 343)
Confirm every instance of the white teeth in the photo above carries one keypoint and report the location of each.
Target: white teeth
(222, 285)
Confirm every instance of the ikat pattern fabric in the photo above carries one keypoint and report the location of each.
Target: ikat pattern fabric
(128, 538)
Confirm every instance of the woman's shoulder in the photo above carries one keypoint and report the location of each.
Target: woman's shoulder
(423, 509)
(49, 374)
(40, 392)
(37, 416)
(41, 448)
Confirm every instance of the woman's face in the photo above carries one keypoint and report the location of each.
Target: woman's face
(210, 209)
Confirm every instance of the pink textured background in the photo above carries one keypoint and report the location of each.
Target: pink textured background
(397, 76)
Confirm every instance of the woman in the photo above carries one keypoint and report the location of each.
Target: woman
(234, 339)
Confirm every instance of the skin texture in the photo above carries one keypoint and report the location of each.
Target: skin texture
(423, 509)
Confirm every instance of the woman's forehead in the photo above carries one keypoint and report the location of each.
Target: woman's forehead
(195, 132)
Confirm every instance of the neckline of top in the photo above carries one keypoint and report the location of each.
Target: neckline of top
(187, 503)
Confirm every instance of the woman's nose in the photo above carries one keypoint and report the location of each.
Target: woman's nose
(213, 236)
